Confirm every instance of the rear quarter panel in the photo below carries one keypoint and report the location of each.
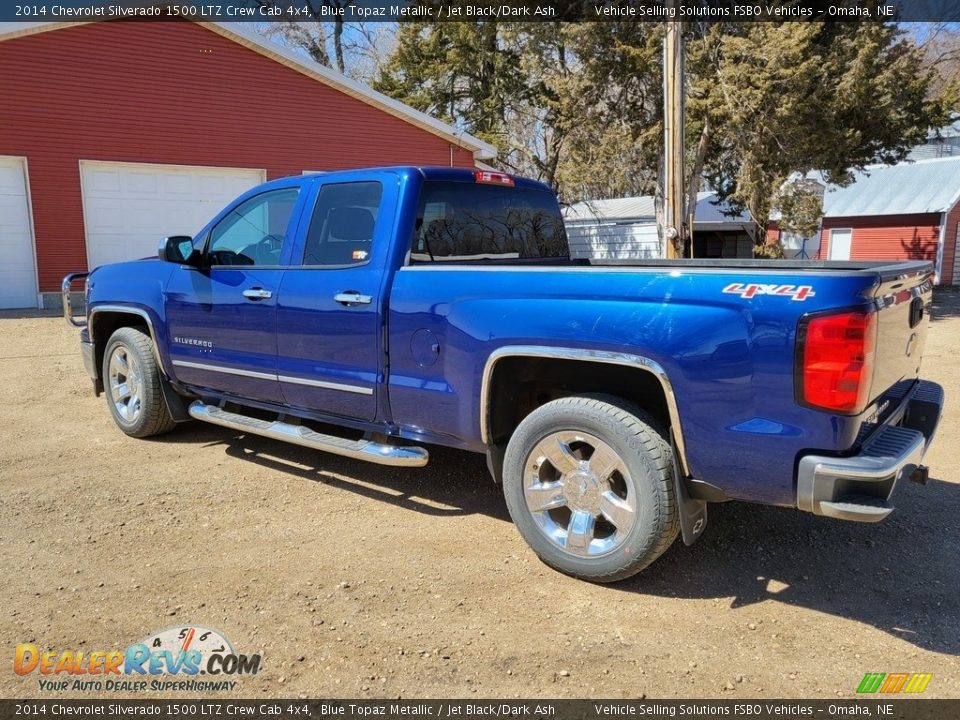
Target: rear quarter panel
(729, 358)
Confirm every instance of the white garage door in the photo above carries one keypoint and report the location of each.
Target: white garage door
(128, 207)
(18, 273)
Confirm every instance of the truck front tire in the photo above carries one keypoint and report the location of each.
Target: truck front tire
(131, 383)
(588, 482)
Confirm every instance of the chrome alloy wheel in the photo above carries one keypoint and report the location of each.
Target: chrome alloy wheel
(126, 384)
(579, 493)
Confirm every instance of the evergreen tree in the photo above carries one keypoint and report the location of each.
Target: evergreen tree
(580, 106)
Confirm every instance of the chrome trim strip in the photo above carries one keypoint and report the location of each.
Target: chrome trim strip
(328, 385)
(271, 376)
(598, 356)
(379, 453)
(226, 370)
(130, 311)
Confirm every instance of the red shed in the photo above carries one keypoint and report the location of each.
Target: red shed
(115, 134)
(898, 212)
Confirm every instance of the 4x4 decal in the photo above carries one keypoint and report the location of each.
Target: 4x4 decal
(749, 290)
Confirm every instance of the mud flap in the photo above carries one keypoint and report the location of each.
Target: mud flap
(175, 404)
(495, 455)
(693, 513)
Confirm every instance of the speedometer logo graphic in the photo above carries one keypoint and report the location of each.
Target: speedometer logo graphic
(184, 638)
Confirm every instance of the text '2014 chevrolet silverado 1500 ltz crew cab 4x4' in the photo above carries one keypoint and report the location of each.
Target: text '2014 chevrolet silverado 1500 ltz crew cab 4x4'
(613, 399)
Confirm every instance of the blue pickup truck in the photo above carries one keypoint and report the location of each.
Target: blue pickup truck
(371, 313)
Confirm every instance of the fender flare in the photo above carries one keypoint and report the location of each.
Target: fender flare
(175, 404)
(639, 362)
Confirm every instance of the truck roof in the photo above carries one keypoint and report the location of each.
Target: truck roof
(428, 172)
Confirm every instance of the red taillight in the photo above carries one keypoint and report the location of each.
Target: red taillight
(837, 354)
(493, 178)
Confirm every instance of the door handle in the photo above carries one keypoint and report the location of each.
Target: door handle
(257, 293)
(352, 297)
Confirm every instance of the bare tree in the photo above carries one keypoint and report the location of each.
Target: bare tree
(940, 43)
(330, 38)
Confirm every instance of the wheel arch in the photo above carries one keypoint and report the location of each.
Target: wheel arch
(513, 375)
(104, 320)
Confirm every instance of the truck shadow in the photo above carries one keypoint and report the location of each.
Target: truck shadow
(901, 576)
(455, 483)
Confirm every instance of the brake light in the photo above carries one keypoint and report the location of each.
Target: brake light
(837, 360)
(493, 178)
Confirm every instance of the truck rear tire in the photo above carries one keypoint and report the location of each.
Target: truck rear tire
(588, 482)
(131, 383)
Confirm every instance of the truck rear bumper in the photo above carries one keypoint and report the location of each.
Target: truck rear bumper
(859, 487)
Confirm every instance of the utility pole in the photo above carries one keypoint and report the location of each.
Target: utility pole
(674, 225)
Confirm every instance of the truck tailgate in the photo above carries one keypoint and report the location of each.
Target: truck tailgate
(903, 300)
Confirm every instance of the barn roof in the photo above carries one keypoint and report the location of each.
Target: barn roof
(925, 186)
(308, 67)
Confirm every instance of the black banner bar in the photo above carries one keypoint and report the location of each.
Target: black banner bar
(874, 706)
(492, 10)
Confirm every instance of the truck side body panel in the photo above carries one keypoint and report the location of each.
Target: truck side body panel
(730, 359)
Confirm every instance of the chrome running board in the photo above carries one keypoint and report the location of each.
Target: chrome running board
(382, 454)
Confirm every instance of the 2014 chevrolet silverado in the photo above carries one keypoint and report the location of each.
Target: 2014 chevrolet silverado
(369, 313)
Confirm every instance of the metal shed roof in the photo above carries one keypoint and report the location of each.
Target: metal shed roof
(630, 208)
(925, 186)
(642, 209)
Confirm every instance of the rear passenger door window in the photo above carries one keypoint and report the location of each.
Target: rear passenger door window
(343, 223)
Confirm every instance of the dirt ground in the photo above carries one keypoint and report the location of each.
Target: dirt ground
(354, 580)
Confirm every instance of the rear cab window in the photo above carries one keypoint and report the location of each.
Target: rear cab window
(461, 222)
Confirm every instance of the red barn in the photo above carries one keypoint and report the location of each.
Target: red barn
(115, 134)
(899, 212)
